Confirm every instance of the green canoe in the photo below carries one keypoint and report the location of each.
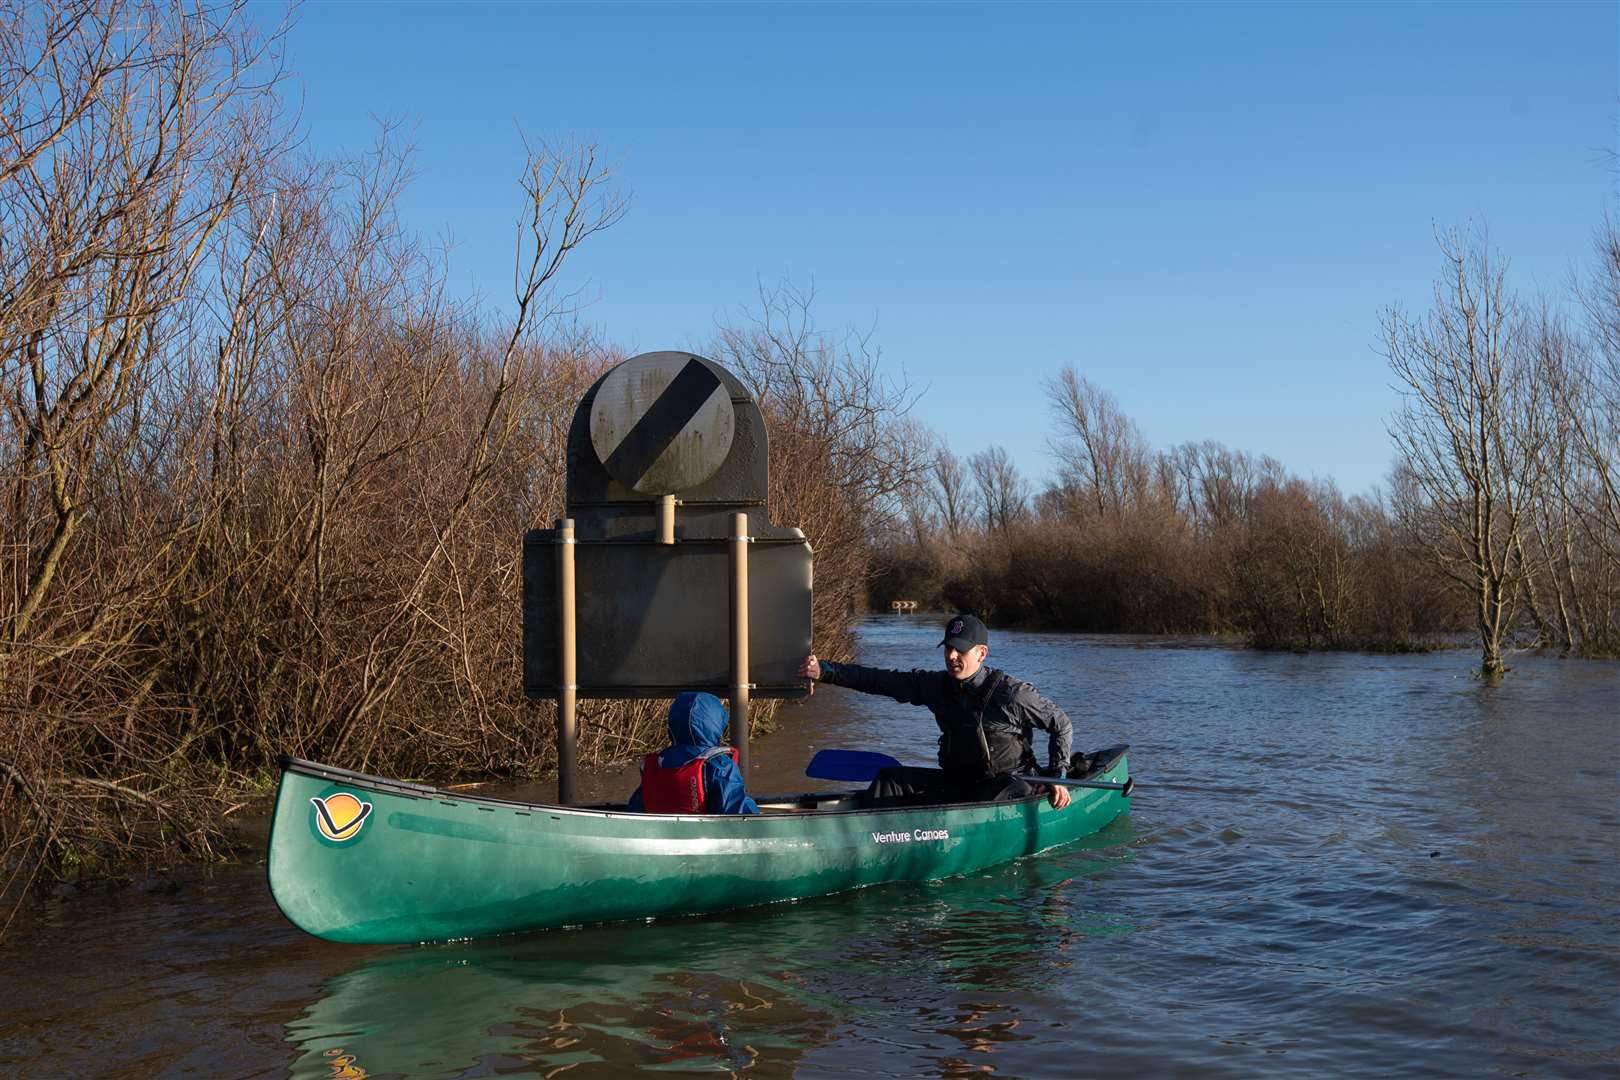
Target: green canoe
(357, 858)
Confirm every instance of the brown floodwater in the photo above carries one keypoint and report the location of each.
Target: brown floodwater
(1335, 865)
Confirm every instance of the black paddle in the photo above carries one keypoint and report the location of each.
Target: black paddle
(864, 765)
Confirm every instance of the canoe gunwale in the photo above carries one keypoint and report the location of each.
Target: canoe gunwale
(1105, 760)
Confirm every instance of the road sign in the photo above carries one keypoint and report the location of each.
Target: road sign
(662, 422)
(651, 619)
(639, 593)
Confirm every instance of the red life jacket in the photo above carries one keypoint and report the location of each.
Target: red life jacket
(678, 790)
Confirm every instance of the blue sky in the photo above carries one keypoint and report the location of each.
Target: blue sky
(1204, 208)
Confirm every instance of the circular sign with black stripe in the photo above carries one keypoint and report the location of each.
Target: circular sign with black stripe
(662, 422)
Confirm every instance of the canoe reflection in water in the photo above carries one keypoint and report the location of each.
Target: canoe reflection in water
(764, 991)
(615, 1000)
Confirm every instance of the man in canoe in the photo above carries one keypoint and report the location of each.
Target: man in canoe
(986, 721)
(695, 774)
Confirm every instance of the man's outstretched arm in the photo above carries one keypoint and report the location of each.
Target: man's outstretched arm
(910, 687)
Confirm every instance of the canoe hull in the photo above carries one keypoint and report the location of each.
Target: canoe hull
(361, 859)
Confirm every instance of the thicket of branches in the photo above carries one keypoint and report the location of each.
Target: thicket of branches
(1196, 539)
(264, 481)
(262, 477)
(1502, 517)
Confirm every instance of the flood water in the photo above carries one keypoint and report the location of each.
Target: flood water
(1336, 865)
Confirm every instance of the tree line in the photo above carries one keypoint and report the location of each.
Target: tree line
(1501, 520)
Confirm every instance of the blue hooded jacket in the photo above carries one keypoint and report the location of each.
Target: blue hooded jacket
(696, 722)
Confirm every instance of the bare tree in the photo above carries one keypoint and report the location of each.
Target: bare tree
(950, 493)
(1461, 432)
(1594, 402)
(1577, 509)
(1003, 495)
(1102, 457)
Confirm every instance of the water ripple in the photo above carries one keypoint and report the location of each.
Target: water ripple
(1335, 866)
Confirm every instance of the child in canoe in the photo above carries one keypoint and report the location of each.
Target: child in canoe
(695, 774)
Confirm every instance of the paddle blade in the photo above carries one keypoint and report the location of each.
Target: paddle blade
(861, 765)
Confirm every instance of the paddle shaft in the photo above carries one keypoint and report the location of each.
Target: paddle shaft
(1105, 785)
(864, 765)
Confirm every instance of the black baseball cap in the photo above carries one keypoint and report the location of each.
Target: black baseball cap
(965, 631)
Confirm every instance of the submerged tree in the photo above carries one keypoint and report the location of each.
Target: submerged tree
(1464, 434)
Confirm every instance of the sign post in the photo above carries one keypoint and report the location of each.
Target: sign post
(668, 472)
(739, 637)
(567, 688)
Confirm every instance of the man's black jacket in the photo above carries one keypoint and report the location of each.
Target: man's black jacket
(1010, 710)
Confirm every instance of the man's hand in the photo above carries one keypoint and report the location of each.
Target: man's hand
(810, 669)
(1059, 796)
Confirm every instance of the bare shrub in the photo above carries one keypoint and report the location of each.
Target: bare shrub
(132, 136)
(1401, 603)
(263, 480)
(1294, 574)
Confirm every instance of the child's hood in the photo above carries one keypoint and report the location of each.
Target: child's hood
(696, 719)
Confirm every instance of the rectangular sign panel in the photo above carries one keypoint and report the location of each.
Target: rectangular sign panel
(653, 619)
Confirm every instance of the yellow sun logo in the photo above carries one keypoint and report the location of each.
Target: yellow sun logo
(340, 816)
